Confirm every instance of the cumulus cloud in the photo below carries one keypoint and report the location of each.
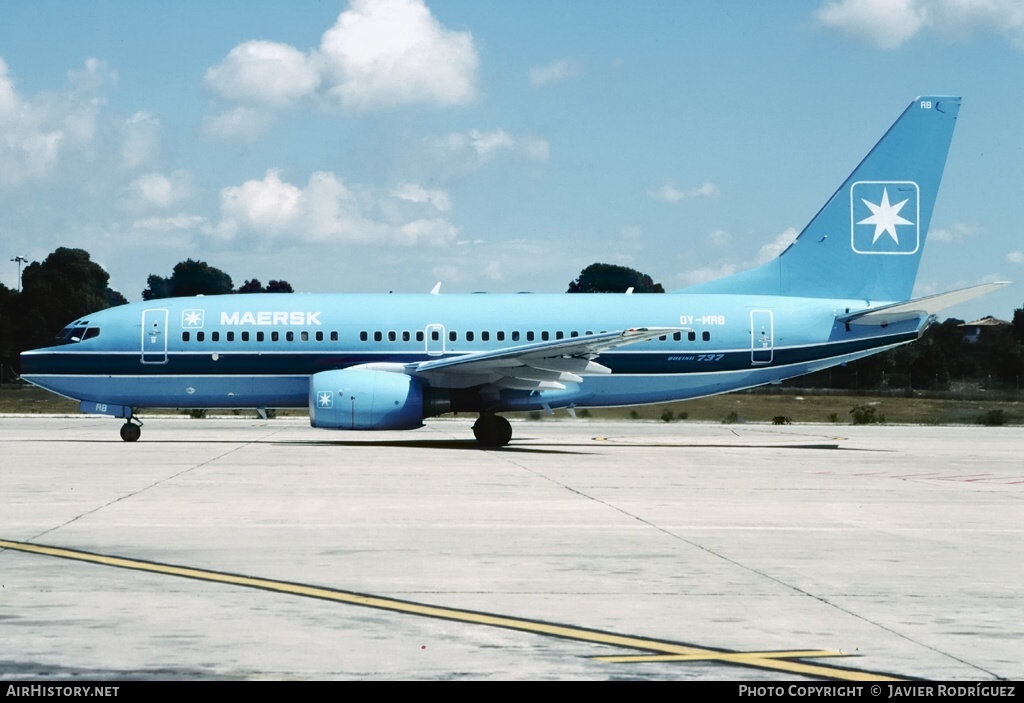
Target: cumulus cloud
(379, 54)
(775, 247)
(555, 72)
(1015, 257)
(263, 73)
(889, 23)
(327, 210)
(157, 190)
(39, 131)
(670, 194)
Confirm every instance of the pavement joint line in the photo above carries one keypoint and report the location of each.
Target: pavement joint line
(659, 650)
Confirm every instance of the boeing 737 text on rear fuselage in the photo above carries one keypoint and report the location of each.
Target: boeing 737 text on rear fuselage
(841, 291)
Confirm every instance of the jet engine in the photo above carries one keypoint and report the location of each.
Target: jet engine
(365, 399)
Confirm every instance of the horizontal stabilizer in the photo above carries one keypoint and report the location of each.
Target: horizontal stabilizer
(918, 308)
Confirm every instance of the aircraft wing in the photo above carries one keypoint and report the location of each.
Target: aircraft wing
(536, 366)
(917, 308)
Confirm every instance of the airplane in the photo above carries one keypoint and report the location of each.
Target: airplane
(841, 291)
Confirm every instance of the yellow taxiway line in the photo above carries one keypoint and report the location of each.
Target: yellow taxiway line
(655, 650)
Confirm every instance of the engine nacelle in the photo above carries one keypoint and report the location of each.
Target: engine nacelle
(364, 399)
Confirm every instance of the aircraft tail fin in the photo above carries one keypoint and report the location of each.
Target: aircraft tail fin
(866, 242)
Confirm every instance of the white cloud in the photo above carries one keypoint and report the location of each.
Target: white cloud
(242, 122)
(171, 223)
(1015, 257)
(720, 238)
(263, 73)
(418, 194)
(670, 194)
(463, 152)
(326, 210)
(140, 140)
(890, 23)
(156, 190)
(40, 132)
(379, 54)
(383, 53)
(555, 72)
(775, 247)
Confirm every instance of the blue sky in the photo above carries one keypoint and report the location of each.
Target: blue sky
(379, 145)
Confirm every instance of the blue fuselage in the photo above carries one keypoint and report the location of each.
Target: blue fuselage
(261, 350)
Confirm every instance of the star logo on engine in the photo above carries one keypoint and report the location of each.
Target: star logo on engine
(325, 399)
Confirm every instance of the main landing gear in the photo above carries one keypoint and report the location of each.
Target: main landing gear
(131, 430)
(492, 431)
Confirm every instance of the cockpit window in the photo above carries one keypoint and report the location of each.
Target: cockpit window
(76, 333)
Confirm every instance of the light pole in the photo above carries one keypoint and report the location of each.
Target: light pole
(19, 260)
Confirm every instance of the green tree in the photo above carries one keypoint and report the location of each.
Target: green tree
(610, 278)
(254, 286)
(67, 285)
(188, 278)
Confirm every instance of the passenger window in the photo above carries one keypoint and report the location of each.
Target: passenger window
(392, 336)
(304, 336)
(334, 337)
(435, 336)
(529, 336)
(544, 336)
(406, 336)
(501, 336)
(275, 336)
(677, 336)
(485, 336)
(200, 336)
(260, 336)
(319, 336)
(185, 336)
(515, 336)
(452, 336)
(706, 336)
(419, 335)
(378, 336)
(691, 336)
(245, 336)
(662, 338)
(469, 336)
(214, 336)
(289, 336)
(574, 333)
(231, 336)
(559, 335)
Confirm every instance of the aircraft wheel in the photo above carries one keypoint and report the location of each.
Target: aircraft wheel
(492, 431)
(130, 432)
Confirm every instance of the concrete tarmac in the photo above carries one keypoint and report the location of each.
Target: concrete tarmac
(250, 549)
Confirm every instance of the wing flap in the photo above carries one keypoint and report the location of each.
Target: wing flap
(537, 366)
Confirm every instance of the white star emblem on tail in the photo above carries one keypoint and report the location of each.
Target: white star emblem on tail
(884, 217)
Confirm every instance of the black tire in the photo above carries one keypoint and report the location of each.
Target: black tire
(492, 431)
(130, 432)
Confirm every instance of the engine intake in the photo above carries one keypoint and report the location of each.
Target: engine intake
(364, 399)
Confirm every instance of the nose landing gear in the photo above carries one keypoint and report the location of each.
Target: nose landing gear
(131, 430)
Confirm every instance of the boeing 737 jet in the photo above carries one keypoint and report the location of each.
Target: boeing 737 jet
(841, 291)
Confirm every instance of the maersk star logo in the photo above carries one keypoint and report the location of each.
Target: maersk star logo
(192, 319)
(325, 399)
(884, 217)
